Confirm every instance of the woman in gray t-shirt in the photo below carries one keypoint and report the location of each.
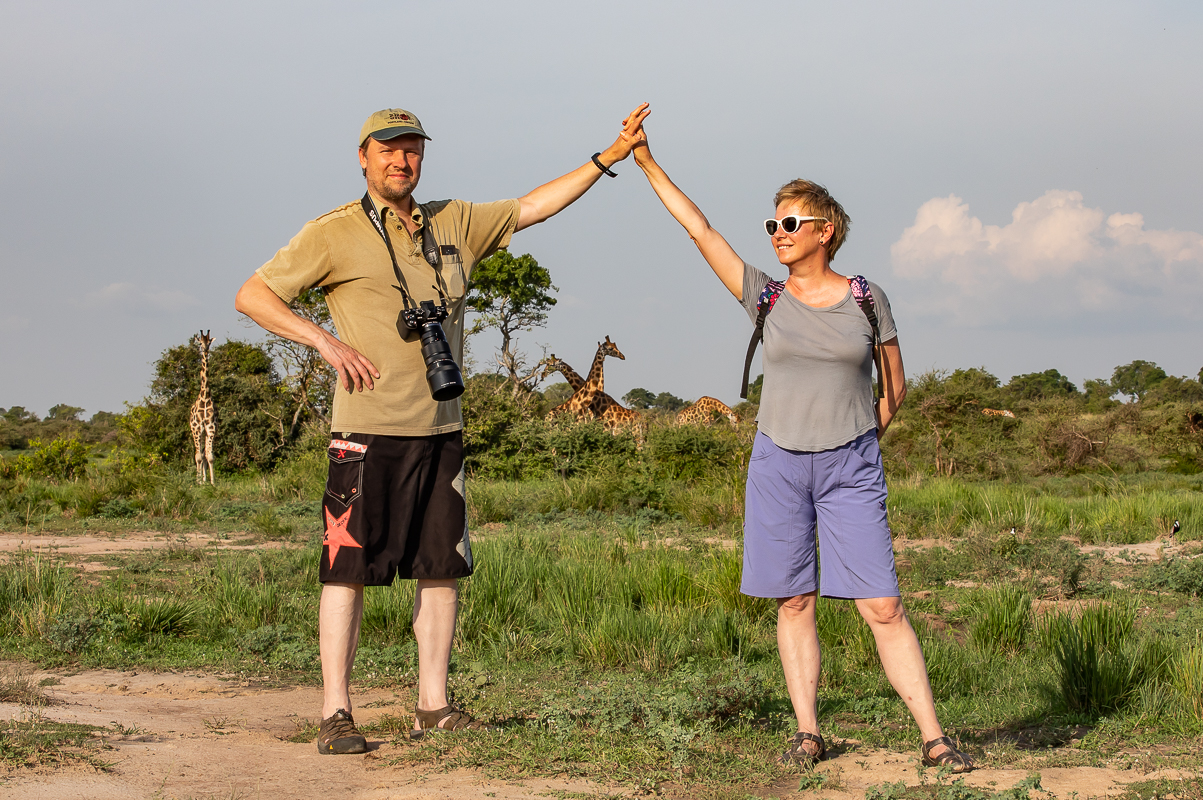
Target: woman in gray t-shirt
(815, 470)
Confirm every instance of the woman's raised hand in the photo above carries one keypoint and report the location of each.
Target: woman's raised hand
(623, 144)
(633, 135)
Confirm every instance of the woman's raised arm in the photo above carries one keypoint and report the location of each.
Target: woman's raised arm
(725, 262)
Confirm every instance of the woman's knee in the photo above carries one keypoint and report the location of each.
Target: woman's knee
(882, 610)
(795, 607)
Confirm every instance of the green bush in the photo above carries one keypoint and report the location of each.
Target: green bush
(57, 460)
(1183, 575)
(691, 451)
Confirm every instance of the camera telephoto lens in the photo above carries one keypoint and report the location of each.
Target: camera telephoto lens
(442, 373)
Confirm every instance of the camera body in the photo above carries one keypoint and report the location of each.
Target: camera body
(442, 373)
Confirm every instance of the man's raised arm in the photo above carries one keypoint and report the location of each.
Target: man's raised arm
(552, 198)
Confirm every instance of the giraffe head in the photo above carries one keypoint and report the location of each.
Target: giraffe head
(610, 349)
(551, 365)
(203, 340)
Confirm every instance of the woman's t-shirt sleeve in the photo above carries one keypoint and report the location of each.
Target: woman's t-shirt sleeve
(754, 283)
(885, 315)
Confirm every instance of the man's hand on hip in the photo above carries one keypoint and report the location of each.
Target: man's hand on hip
(260, 303)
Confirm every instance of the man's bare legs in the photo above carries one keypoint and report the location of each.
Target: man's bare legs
(435, 605)
(897, 645)
(341, 610)
(798, 644)
(338, 636)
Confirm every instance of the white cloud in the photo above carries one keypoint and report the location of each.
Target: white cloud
(134, 299)
(1057, 256)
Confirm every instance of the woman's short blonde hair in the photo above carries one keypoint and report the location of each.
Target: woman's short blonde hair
(816, 201)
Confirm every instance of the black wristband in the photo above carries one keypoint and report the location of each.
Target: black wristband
(602, 166)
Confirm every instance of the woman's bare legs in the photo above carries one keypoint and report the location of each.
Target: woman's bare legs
(902, 659)
(798, 643)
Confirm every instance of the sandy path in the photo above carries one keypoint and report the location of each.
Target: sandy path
(101, 543)
(197, 736)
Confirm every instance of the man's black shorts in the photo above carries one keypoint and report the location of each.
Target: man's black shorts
(394, 505)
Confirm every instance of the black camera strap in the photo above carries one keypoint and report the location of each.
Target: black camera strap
(369, 208)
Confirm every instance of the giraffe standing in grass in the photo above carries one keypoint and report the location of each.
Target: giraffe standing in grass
(581, 404)
(202, 419)
(706, 410)
(552, 364)
(614, 415)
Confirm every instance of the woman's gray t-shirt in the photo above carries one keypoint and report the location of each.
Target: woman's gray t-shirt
(818, 367)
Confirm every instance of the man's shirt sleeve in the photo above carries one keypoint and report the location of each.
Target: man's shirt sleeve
(300, 265)
(488, 227)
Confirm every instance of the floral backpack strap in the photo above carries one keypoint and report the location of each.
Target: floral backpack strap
(864, 298)
(768, 298)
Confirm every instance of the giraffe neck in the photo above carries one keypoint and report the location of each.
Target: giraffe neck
(570, 375)
(596, 372)
(204, 373)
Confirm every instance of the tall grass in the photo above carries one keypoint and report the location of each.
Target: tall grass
(1100, 664)
(1002, 619)
(1118, 512)
(1186, 675)
(605, 603)
(34, 589)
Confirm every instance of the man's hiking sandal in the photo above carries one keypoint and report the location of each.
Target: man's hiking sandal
(798, 752)
(952, 757)
(339, 736)
(453, 719)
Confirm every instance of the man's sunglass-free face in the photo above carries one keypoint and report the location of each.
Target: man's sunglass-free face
(788, 224)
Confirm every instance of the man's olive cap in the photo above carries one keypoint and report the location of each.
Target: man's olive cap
(389, 124)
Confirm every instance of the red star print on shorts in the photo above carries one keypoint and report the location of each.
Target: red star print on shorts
(336, 534)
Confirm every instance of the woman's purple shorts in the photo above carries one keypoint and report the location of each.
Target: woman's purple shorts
(840, 492)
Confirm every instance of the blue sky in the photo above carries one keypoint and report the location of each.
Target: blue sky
(1023, 178)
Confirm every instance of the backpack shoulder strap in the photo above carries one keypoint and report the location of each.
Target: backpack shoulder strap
(768, 298)
(863, 296)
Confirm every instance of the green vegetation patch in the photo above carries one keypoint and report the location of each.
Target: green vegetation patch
(34, 741)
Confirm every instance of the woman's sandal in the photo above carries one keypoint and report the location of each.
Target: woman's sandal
(798, 754)
(951, 757)
(456, 719)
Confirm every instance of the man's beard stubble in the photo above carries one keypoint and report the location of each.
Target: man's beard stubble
(395, 194)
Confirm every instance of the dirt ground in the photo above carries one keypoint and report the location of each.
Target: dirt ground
(191, 735)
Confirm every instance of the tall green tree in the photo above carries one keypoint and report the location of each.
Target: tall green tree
(1137, 379)
(642, 399)
(510, 294)
(639, 398)
(309, 380)
(1039, 385)
(64, 413)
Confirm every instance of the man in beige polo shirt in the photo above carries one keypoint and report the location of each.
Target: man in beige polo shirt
(394, 501)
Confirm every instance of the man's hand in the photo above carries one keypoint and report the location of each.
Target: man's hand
(261, 304)
(629, 137)
(351, 365)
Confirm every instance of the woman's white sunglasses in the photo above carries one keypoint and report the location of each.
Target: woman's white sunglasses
(788, 224)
